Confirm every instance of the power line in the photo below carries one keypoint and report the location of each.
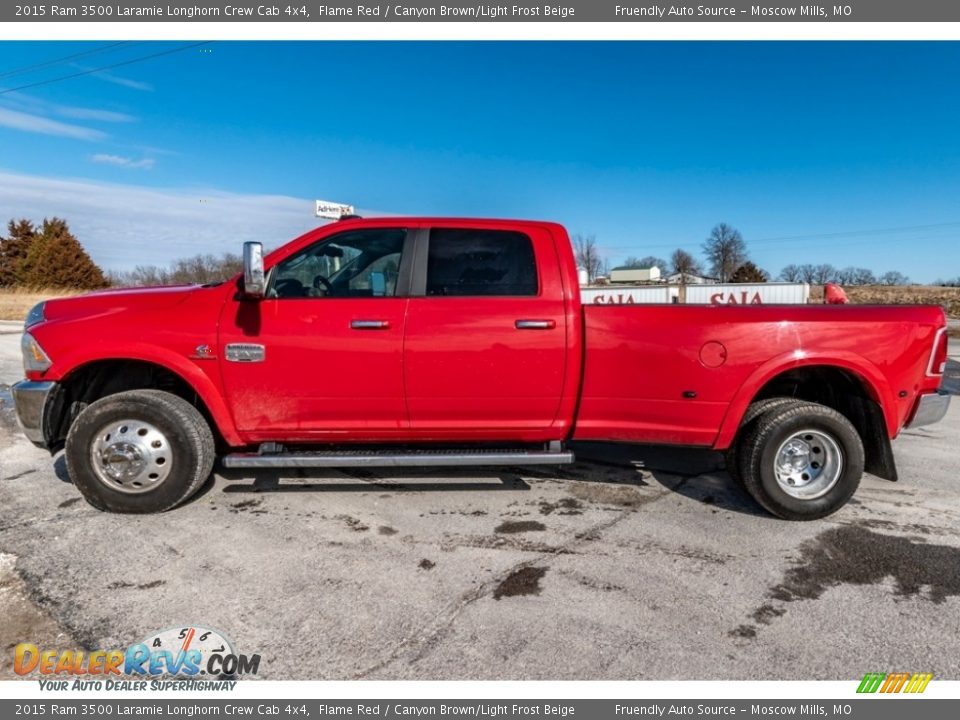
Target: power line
(104, 67)
(65, 58)
(839, 239)
(858, 233)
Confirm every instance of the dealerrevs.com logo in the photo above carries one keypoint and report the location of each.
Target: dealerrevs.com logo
(182, 658)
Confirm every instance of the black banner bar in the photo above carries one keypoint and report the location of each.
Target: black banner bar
(875, 708)
(896, 11)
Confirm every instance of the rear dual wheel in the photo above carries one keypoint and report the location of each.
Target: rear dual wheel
(800, 460)
(754, 412)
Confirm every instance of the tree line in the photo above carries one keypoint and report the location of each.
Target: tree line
(49, 256)
(199, 269)
(727, 260)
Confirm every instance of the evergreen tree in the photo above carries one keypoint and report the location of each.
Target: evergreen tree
(13, 250)
(57, 259)
(749, 273)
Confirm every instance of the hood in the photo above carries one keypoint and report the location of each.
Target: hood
(113, 300)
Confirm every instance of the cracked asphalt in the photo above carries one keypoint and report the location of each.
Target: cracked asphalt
(634, 563)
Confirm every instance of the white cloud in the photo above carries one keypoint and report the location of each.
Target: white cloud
(45, 126)
(124, 162)
(127, 225)
(122, 81)
(81, 113)
(29, 104)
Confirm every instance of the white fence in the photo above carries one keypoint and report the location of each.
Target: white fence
(728, 294)
(749, 294)
(628, 294)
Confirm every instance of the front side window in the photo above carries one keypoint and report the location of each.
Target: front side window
(480, 262)
(362, 263)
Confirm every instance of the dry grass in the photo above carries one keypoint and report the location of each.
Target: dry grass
(16, 302)
(947, 297)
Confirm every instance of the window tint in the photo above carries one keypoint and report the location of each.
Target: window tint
(362, 263)
(480, 262)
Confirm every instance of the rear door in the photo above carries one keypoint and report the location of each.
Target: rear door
(485, 347)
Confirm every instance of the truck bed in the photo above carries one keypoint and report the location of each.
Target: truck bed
(682, 374)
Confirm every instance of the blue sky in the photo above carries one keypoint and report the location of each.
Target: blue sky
(847, 153)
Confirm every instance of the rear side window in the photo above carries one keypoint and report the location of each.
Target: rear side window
(480, 262)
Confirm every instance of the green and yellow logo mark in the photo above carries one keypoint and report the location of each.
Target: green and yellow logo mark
(894, 682)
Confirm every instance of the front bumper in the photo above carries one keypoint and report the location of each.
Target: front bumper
(930, 409)
(30, 401)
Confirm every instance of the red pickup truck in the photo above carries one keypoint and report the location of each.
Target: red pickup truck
(426, 342)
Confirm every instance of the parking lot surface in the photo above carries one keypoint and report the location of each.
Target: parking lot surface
(634, 563)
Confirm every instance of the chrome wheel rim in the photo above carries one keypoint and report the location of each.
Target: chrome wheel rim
(808, 464)
(131, 456)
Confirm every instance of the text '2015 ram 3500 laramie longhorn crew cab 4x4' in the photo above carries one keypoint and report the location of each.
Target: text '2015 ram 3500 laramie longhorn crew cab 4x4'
(429, 342)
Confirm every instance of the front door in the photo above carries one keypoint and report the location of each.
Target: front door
(320, 356)
(486, 341)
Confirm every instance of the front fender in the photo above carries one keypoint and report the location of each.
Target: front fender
(187, 369)
(869, 374)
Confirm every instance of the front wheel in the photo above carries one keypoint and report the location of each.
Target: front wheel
(139, 451)
(801, 461)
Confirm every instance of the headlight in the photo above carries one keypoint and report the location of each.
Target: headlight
(35, 315)
(34, 358)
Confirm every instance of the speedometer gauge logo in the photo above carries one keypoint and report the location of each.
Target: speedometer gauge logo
(196, 650)
(201, 642)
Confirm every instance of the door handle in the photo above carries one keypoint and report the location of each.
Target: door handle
(370, 324)
(535, 324)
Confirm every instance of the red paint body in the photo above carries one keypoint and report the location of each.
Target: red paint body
(457, 369)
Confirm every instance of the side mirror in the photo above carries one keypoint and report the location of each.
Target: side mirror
(253, 278)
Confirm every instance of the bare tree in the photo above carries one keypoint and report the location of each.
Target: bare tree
(725, 250)
(855, 276)
(199, 269)
(791, 273)
(587, 254)
(824, 273)
(894, 277)
(684, 264)
(645, 263)
(817, 274)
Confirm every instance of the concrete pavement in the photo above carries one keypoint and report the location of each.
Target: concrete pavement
(635, 563)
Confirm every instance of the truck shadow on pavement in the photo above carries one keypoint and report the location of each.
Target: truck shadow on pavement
(289, 480)
(695, 474)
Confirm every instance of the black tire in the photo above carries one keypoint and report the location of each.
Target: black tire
(761, 444)
(191, 450)
(750, 417)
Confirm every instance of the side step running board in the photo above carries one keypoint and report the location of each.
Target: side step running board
(407, 459)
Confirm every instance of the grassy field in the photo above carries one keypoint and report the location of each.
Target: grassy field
(15, 303)
(947, 297)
